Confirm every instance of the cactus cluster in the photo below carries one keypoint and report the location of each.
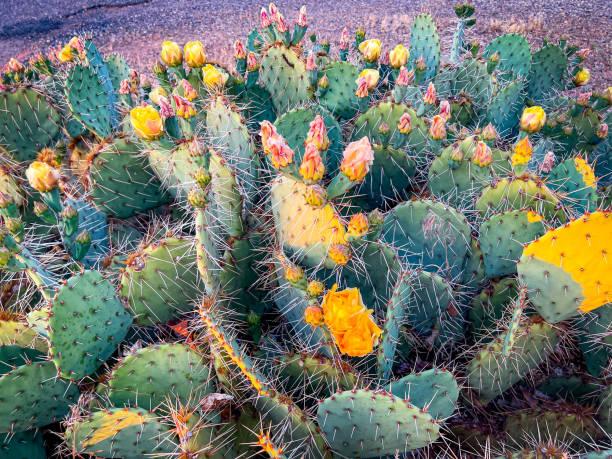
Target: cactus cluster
(324, 251)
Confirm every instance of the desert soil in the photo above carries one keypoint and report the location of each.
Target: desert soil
(136, 28)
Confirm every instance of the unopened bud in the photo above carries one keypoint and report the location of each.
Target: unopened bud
(197, 198)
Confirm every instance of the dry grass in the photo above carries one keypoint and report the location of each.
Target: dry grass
(514, 25)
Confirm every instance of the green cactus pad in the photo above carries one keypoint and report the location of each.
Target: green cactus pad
(502, 237)
(339, 97)
(428, 233)
(396, 310)
(283, 74)
(490, 374)
(97, 64)
(88, 100)
(23, 445)
(147, 377)
(434, 391)
(520, 193)
(118, 70)
(95, 222)
(121, 181)
(28, 123)
(605, 410)
(489, 307)
(460, 182)
(362, 423)
(175, 168)
(424, 41)
(568, 181)
(431, 296)
(128, 433)
(229, 135)
(258, 106)
(594, 334)
(548, 73)
(473, 275)
(294, 125)
(161, 281)
(225, 211)
(316, 375)
(505, 109)
(567, 423)
(87, 322)
(514, 56)
(33, 396)
(472, 79)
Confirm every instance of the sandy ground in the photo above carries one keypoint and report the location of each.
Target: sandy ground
(136, 28)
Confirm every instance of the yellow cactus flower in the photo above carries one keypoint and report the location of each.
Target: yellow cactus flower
(315, 288)
(171, 54)
(312, 167)
(65, 54)
(339, 254)
(585, 170)
(155, 93)
(533, 119)
(370, 50)
(482, 155)
(358, 225)
(371, 76)
(582, 77)
(350, 322)
(42, 177)
(147, 122)
(213, 78)
(313, 315)
(398, 56)
(357, 159)
(522, 152)
(195, 54)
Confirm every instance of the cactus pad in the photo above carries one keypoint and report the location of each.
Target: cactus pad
(362, 423)
(86, 324)
(28, 123)
(424, 41)
(564, 276)
(283, 74)
(129, 433)
(122, 183)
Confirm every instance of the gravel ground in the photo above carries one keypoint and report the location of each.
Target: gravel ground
(136, 28)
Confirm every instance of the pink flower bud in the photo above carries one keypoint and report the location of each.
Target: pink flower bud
(252, 64)
(489, 132)
(273, 10)
(547, 163)
(184, 108)
(280, 153)
(482, 155)
(362, 88)
(189, 92)
(357, 159)
(302, 20)
(344, 39)
(583, 53)
(404, 124)
(266, 131)
(311, 64)
(317, 134)
(124, 87)
(445, 110)
(602, 131)
(165, 109)
(583, 99)
(420, 63)
(312, 168)
(405, 77)
(437, 130)
(239, 51)
(430, 95)
(457, 154)
(281, 24)
(265, 19)
(385, 60)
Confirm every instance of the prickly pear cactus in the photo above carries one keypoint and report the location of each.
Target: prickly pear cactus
(311, 253)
